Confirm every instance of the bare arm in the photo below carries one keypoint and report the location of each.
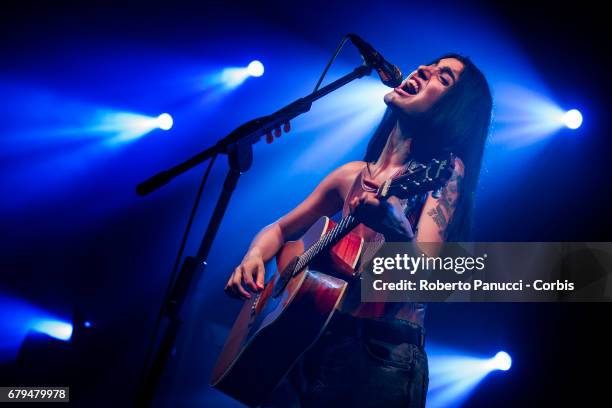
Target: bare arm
(326, 199)
(438, 213)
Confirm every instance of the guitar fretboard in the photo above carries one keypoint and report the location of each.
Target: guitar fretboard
(326, 241)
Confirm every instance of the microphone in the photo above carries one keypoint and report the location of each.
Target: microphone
(389, 74)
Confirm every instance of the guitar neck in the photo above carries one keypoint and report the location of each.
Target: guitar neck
(328, 240)
(418, 179)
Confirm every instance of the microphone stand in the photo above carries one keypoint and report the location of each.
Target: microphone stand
(238, 146)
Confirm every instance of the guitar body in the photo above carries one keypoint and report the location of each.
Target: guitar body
(274, 328)
(277, 325)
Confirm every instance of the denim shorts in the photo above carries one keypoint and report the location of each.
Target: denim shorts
(359, 365)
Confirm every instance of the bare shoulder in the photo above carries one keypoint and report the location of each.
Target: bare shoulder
(342, 178)
(351, 168)
(453, 187)
(459, 169)
(346, 173)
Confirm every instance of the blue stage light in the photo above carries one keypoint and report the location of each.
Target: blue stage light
(502, 361)
(54, 328)
(454, 375)
(255, 69)
(524, 117)
(572, 119)
(234, 76)
(18, 317)
(165, 121)
(120, 127)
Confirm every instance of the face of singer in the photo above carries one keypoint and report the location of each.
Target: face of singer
(420, 91)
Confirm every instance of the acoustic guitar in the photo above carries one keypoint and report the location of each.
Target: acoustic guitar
(277, 325)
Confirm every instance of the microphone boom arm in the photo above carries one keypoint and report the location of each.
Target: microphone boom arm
(238, 145)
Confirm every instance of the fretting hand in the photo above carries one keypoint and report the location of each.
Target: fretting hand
(385, 216)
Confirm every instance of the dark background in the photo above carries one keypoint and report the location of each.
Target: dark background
(87, 243)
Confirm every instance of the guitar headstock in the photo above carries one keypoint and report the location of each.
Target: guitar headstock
(420, 179)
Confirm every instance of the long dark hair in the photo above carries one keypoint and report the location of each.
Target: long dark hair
(460, 121)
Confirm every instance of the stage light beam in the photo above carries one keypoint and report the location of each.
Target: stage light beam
(54, 328)
(572, 119)
(454, 375)
(524, 117)
(234, 76)
(121, 127)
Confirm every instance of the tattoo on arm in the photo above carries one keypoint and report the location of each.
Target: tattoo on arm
(438, 217)
(446, 203)
(454, 184)
(448, 197)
